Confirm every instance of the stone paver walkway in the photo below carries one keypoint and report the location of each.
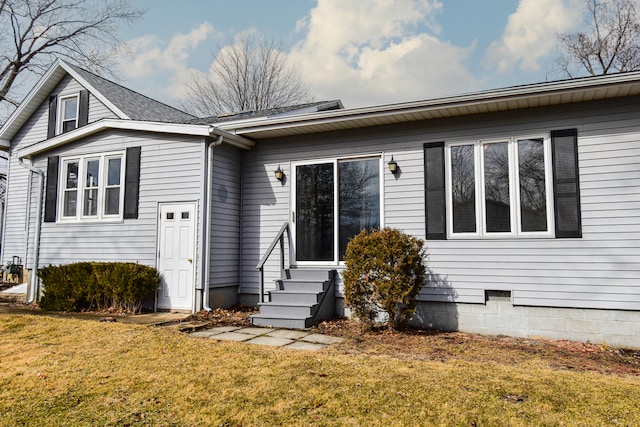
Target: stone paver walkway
(295, 340)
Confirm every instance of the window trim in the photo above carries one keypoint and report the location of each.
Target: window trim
(82, 161)
(61, 110)
(334, 161)
(514, 189)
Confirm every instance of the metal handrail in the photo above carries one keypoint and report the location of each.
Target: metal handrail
(279, 238)
(332, 282)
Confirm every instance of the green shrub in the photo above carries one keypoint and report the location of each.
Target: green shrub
(385, 270)
(105, 286)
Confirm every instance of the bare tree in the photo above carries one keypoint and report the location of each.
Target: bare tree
(35, 32)
(609, 44)
(250, 73)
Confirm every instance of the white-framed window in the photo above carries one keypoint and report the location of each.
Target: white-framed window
(499, 188)
(68, 110)
(91, 187)
(333, 200)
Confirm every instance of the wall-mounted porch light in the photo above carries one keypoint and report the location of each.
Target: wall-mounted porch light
(393, 166)
(279, 174)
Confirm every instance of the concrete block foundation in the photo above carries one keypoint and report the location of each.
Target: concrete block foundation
(614, 328)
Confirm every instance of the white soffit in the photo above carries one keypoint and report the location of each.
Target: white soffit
(105, 124)
(519, 97)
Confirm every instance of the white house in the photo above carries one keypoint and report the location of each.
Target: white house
(528, 198)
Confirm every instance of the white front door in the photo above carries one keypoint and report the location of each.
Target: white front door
(175, 255)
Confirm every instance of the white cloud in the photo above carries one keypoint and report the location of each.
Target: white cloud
(378, 52)
(530, 33)
(147, 58)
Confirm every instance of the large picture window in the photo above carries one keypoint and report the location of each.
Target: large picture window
(499, 188)
(91, 187)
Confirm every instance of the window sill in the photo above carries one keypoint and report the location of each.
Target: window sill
(91, 221)
(500, 236)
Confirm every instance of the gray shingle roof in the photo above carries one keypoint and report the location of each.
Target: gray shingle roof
(135, 105)
(272, 112)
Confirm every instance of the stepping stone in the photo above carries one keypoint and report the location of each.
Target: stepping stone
(255, 331)
(221, 329)
(191, 326)
(272, 341)
(309, 346)
(285, 333)
(232, 336)
(321, 339)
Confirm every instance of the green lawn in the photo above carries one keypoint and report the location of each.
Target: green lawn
(70, 372)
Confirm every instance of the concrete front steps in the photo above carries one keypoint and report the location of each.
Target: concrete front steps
(301, 299)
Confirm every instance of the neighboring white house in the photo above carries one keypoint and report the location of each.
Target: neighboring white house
(528, 198)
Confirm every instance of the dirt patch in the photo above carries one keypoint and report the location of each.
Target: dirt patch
(445, 346)
(235, 316)
(418, 344)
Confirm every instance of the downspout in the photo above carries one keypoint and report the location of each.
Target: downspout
(207, 244)
(241, 222)
(27, 219)
(33, 277)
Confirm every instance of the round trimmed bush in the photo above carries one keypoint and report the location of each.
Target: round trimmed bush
(385, 270)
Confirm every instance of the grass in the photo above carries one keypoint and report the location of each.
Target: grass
(74, 372)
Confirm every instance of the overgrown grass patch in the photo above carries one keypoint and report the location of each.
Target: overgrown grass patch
(74, 372)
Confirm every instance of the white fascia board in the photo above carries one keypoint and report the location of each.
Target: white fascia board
(477, 98)
(84, 131)
(45, 84)
(232, 139)
(41, 90)
(95, 92)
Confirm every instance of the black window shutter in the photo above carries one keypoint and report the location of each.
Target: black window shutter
(566, 183)
(435, 197)
(83, 108)
(51, 192)
(53, 109)
(132, 183)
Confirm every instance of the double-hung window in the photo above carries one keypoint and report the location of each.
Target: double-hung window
(499, 188)
(68, 115)
(91, 187)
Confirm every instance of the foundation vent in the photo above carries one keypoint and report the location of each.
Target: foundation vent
(502, 296)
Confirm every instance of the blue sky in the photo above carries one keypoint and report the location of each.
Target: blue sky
(365, 52)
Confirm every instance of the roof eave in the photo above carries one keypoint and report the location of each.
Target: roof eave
(34, 98)
(232, 139)
(39, 93)
(495, 100)
(105, 124)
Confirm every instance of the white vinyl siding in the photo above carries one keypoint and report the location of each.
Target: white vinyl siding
(33, 131)
(599, 270)
(170, 171)
(225, 217)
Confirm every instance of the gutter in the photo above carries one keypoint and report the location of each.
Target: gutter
(33, 288)
(207, 227)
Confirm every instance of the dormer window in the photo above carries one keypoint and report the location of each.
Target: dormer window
(68, 114)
